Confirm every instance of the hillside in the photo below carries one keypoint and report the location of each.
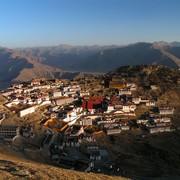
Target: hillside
(146, 75)
(140, 53)
(142, 153)
(13, 167)
(11, 64)
(169, 50)
(16, 66)
(19, 67)
(136, 151)
(175, 51)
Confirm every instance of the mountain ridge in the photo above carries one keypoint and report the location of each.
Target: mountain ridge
(62, 56)
(67, 61)
(140, 53)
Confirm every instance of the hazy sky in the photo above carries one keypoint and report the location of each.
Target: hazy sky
(87, 22)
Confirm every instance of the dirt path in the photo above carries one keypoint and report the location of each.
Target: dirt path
(174, 58)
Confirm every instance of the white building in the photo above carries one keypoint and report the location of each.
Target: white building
(125, 128)
(84, 93)
(70, 93)
(65, 89)
(110, 109)
(126, 92)
(75, 88)
(150, 103)
(64, 100)
(166, 110)
(130, 85)
(7, 93)
(46, 86)
(136, 100)
(128, 108)
(154, 87)
(27, 111)
(113, 131)
(57, 94)
(87, 122)
(71, 116)
(2, 117)
(166, 120)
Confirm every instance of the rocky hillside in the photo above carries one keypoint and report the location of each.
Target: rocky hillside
(146, 75)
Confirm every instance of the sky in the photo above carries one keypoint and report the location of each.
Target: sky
(27, 23)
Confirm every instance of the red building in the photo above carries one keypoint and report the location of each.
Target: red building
(93, 103)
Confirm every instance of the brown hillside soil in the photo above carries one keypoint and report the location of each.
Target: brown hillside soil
(151, 156)
(13, 167)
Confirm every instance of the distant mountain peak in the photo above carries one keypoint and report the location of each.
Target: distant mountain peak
(67, 60)
(175, 44)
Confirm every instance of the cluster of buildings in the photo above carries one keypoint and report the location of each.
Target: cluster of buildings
(156, 125)
(75, 117)
(25, 99)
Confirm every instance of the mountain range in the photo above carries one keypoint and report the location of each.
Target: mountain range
(66, 61)
(63, 56)
(140, 53)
